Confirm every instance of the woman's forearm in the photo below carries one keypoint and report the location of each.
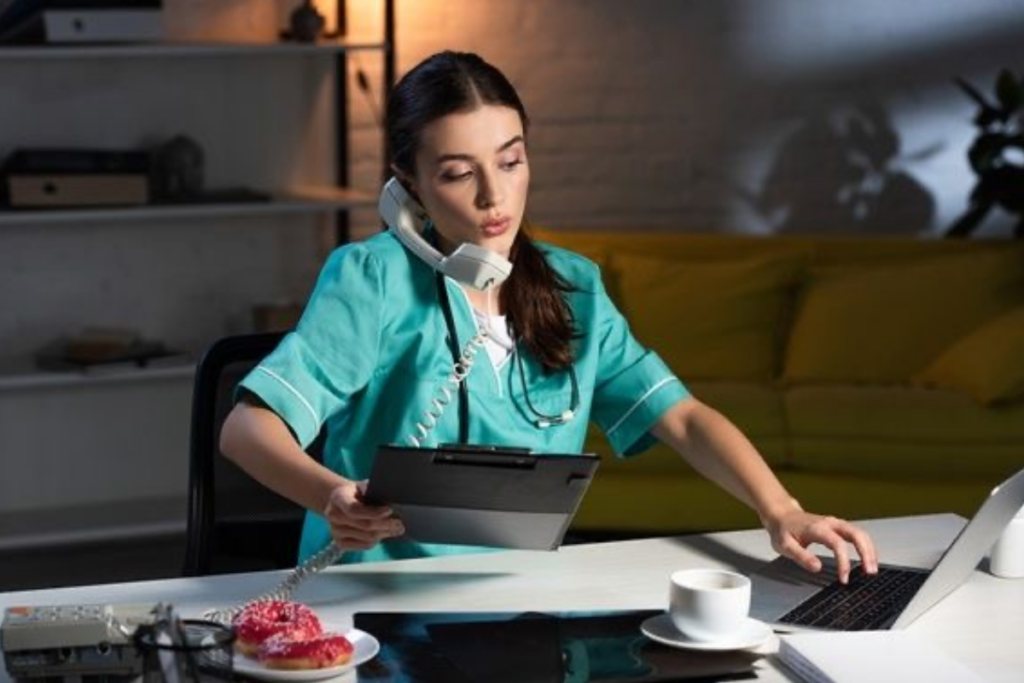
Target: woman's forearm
(714, 447)
(258, 441)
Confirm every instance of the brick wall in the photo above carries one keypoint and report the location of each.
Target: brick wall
(731, 115)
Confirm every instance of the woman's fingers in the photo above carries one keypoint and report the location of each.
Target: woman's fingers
(345, 503)
(865, 548)
(356, 525)
(366, 533)
(824, 531)
(360, 534)
(838, 547)
(389, 526)
(792, 536)
(792, 549)
(836, 534)
(348, 499)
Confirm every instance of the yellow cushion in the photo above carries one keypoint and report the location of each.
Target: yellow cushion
(719, 320)
(899, 413)
(901, 432)
(880, 325)
(678, 505)
(987, 364)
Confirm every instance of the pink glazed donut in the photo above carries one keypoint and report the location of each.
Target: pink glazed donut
(285, 651)
(260, 620)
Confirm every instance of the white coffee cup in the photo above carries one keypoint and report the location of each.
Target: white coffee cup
(709, 604)
(1007, 557)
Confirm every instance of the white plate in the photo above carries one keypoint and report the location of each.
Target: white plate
(661, 629)
(364, 648)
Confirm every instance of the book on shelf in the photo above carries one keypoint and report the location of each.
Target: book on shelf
(869, 657)
(104, 350)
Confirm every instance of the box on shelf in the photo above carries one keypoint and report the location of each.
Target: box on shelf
(96, 347)
(65, 178)
(81, 21)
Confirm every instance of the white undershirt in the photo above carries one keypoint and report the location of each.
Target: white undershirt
(499, 342)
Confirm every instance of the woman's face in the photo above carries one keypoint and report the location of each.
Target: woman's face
(472, 177)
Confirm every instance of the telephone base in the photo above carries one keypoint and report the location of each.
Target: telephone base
(73, 640)
(117, 660)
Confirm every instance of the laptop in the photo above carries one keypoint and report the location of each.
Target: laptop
(481, 495)
(790, 598)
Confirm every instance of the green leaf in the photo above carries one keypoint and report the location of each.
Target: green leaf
(973, 93)
(1009, 92)
(988, 113)
(986, 151)
(986, 116)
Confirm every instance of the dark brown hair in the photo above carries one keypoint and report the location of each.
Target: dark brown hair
(450, 82)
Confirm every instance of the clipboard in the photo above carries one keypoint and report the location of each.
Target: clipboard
(481, 495)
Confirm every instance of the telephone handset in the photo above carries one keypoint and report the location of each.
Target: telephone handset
(469, 264)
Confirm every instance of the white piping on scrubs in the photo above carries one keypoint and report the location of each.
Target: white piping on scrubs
(289, 387)
(639, 401)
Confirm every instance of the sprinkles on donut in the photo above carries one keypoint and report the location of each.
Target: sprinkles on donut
(259, 621)
(286, 651)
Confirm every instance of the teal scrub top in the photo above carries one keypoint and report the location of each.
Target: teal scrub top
(371, 351)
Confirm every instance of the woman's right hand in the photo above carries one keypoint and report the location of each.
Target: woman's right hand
(356, 525)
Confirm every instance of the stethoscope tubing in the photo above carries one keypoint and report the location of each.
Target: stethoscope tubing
(543, 419)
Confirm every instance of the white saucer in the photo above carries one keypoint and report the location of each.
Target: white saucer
(661, 629)
(364, 646)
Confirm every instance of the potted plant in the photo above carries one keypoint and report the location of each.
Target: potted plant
(996, 155)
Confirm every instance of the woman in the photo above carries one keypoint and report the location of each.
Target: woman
(374, 345)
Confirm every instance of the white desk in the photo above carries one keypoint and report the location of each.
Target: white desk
(981, 624)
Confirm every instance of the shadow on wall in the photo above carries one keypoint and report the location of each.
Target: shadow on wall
(852, 178)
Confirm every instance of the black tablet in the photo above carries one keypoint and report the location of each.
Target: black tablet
(510, 647)
(481, 495)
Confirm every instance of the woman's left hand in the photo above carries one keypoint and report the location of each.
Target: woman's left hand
(794, 530)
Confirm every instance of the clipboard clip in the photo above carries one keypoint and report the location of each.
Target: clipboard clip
(484, 456)
(477, 448)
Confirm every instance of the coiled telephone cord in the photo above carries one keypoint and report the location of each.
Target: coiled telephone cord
(332, 553)
(446, 392)
(284, 591)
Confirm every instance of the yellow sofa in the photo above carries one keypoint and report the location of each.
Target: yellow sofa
(878, 376)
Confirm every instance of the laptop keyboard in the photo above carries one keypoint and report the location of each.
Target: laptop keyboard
(865, 603)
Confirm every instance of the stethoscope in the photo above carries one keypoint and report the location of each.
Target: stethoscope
(541, 420)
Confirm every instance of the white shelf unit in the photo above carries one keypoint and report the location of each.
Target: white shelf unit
(265, 116)
(304, 202)
(20, 379)
(187, 274)
(181, 49)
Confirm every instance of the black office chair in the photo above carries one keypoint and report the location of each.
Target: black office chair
(235, 524)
